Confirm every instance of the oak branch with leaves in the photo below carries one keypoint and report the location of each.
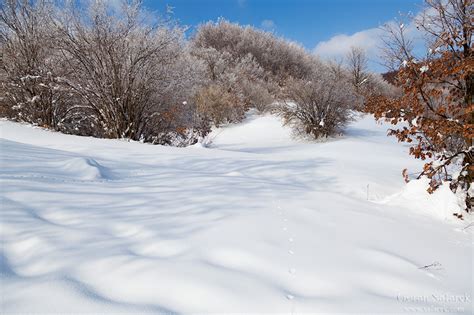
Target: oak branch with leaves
(435, 110)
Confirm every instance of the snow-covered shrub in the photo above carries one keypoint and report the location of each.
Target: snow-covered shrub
(219, 105)
(250, 64)
(104, 70)
(377, 85)
(319, 107)
(32, 71)
(259, 96)
(132, 76)
(240, 81)
(277, 56)
(178, 125)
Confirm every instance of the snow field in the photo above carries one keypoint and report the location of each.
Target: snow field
(257, 222)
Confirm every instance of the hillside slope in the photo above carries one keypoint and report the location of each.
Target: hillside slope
(257, 222)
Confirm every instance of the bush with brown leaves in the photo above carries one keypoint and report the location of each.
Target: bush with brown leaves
(436, 104)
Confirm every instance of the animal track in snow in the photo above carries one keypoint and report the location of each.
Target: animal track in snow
(291, 270)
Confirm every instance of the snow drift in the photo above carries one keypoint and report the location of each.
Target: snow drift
(258, 222)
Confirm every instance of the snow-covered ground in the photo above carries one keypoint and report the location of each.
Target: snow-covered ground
(257, 222)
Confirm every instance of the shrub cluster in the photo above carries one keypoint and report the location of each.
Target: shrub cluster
(98, 70)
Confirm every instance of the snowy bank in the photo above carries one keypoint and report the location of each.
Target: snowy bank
(258, 222)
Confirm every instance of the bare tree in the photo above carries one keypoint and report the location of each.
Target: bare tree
(239, 79)
(251, 64)
(320, 107)
(110, 72)
(31, 69)
(357, 64)
(397, 47)
(123, 69)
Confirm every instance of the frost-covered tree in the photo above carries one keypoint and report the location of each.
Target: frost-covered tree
(176, 119)
(131, 75)
(241, 79)
(357, 64)
(366, 83)
(377, 85)
(321, 106)
(220, 99)
(249, 64)
(91, 68)
(219, 105)
(277, 56)
(250, 68)
(31, 69)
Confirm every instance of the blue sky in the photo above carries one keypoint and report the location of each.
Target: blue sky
(320, 25)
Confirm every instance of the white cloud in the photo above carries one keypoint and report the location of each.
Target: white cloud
(268, 25)
(339, 45)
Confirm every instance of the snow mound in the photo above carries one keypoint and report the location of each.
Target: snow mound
(50, 164)
(441, 204)
(256, 134)
(83, 168)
